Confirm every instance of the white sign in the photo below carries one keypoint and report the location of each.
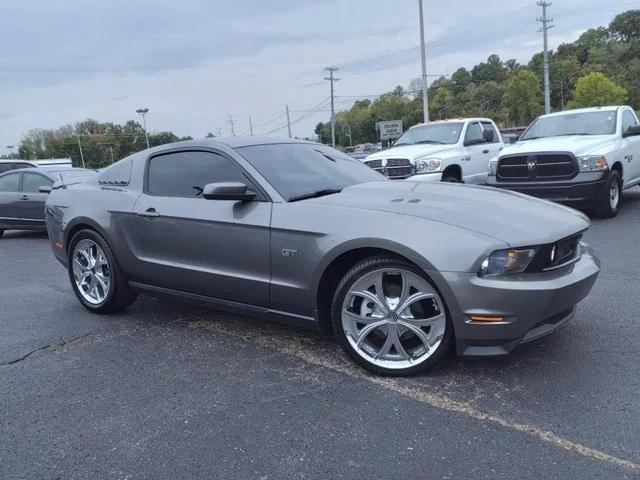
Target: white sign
(390, 129)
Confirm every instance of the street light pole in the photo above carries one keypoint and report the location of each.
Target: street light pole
(423, 50)
(143, 112)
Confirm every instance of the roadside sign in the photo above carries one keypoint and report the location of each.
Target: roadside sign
(390, 129)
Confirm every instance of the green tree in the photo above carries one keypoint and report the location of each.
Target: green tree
(522, 99)
(626, 26)
(493, 69)
(595, 90)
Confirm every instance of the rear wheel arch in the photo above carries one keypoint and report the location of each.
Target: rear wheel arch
(80, 224)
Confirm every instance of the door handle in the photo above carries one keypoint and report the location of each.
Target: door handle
(485, 151)
(149, 212)
(24, 197)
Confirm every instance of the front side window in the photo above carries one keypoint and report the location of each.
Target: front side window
(300, 169)
(10, 183)
(474, 133)
(628, 120)
(489, 126)
(445, 133)
(31, 182)
(184, 174)
(581, 123)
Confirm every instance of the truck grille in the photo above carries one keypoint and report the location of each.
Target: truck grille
(399, 168)
(375, 164)
(552, 166)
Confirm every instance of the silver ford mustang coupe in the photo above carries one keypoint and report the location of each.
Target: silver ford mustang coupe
(402, 272)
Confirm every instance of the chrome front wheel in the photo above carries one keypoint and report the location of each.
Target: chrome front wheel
(91, 271)
(393, 318)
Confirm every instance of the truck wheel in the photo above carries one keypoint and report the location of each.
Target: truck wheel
(450, 179)
(611, 197)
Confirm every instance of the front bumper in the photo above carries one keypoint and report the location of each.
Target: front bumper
(426, 177)
(533, 305)
(582, 191)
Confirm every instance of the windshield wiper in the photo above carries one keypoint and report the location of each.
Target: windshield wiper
(316, 194)
(431, 141)
(571, 133)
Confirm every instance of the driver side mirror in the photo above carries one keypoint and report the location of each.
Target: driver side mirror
(632, 131)
(44, 189)
(228, 191)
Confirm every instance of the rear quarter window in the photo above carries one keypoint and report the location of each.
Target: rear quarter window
(117, 174)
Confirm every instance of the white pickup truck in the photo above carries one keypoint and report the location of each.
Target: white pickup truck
(447, 150)
(584, 158)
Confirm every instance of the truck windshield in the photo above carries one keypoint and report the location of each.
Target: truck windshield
(583, 123)
(436, 133)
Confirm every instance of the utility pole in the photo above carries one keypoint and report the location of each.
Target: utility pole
(332, 79)
(561, 94)
(546, 25)
(80, 147)
(250, 126)
(288, 122)
(233, 127)
(423, 51)
(219, 129)
(143, 112)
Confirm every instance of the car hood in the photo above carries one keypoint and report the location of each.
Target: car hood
(411, 152)
(576, 144)
(518, 220)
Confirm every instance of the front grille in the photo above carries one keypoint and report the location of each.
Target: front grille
(399, 168)
(375, 164)
(555, 255)
(552, 166)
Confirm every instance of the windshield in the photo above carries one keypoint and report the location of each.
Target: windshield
(299, 170)
(583, 123)
(438, 133)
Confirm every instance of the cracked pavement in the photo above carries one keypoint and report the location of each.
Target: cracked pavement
(171, 390)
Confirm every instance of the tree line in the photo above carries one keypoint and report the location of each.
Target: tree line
(602, 67)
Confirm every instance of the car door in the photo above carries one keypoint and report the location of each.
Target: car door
(32, 200)
(631, 149)
(478, 152)
(215, 248)
(10, 184)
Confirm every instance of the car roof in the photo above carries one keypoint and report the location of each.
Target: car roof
(453, 120)
(16, 161)
(232, 142)
(48, 170)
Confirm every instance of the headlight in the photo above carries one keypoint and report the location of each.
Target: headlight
(493, 168)
(592, 163)
(428, 165)
(513, 260)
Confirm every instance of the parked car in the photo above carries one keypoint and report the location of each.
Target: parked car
(584, 158)
(447, 150)
(296, 231)
(6, 165)
(23, 193)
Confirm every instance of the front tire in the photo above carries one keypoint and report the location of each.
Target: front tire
(96, 277)
(390, 319)
(611, 197)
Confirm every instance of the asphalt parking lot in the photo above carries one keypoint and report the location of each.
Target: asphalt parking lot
(171, 390)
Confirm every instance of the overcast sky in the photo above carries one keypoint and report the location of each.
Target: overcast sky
(195, 62)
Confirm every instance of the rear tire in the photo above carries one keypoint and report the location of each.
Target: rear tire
(611, 198)
(387, 333)
(449, 179)
(96, 278)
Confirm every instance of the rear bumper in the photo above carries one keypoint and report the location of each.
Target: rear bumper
(532, 305)
(583, 191)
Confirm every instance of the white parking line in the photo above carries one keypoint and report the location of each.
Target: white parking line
(297, 347)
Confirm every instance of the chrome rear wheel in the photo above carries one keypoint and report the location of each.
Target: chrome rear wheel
(393, 318)
(91, 271)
